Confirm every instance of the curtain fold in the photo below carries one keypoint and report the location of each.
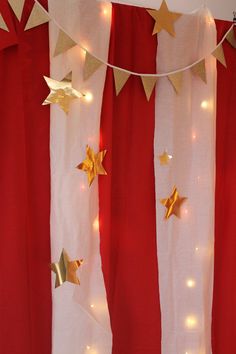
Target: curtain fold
(224, 305)
(127, 194)
(25, 290)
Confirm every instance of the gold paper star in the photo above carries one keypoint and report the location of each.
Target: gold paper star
(92, 165)
(173, 204)
(164, 19)
(62, 93)
(65, 270)
(165, 158)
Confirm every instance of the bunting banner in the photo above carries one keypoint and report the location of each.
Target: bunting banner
(219, 55)
(64, 43)
(37, 17)
(176, 81)
(90, 66)
(3, 25)
(149, 83)
(120, 78)
(200, 70)
(17, 7)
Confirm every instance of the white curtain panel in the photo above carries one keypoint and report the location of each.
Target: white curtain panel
(185, 128)
(80, 315)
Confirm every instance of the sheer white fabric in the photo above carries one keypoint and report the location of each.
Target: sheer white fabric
(185, 128)
(80, 316)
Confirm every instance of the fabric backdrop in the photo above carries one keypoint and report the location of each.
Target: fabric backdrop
(224, 304)
(127, 195)
(25, 289)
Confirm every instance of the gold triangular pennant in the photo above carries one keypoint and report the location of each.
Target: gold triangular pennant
(120, 79)
(3, 25)
(64, 43)
(37, 17)
(149, 83)
(200, 70)
(17, 7)
(231, 38)
(219, 55)
(176, 80)
(91, 65)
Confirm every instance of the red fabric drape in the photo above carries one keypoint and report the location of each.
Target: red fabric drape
(127, 195)
(25, 287)
(224, 299)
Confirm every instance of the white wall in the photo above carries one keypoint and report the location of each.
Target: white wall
(221, 9)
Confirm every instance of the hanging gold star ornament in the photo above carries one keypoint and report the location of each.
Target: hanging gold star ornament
(164, 19)
(65, 270)
(62, 93)
(92, 165)
(173, 204)
(165, 158)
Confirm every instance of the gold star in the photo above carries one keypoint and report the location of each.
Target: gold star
(165, 158)
(92, 165)
(62, 93)
(65, 270)
(164, 19)
(173, 204)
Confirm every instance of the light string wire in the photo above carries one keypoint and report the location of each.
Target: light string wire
(132, 72)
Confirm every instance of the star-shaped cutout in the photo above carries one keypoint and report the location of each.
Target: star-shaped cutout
(164, 18)
(92, 165)
(165, 158)
(62, 93)
(65, 270)
(173, 204)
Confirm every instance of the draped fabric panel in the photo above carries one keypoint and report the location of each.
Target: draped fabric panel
(127, 194)
(81, 321)
(185, 128)
(25, 289)
(224, 304)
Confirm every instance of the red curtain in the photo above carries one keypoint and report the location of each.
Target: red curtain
(224, 301)
(127, 194)
(25, 287)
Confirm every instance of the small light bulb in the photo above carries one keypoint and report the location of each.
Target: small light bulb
(106, 10)
(191, 322)
(185, 211)
(204, 104)
(82, 187)
(88, 347)
(196, 249)
(96, 224)
(194, 136)
(92, 306)
(88, 97)
(190, 283)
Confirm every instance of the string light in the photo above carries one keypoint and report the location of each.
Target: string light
(196, 249)
(88, 96)
(205, 104)
(191, 322)
(96, 224)
(92, 306)
(194, 136)
(190, 283)
(82, 187)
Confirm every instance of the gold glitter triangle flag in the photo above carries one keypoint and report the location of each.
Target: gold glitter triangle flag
(17, 7)
(149, 83)
(176, 81)
(64, 43)
(200, 70)
(3, 25)
(37, 17)
(231, 38)
(91, 65)
(220, 55)
(120, 78)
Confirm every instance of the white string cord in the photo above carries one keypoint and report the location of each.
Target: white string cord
(132, 72)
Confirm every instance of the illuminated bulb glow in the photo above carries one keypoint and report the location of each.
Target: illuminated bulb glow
(190, 283)
(204, 104)
(88, 347)
(185, 211)
(96, 224)
(106, 10)
(82, 187)
(194, 136)
(92, 306)
(88, 97)
(196, 249)
(191, 322)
